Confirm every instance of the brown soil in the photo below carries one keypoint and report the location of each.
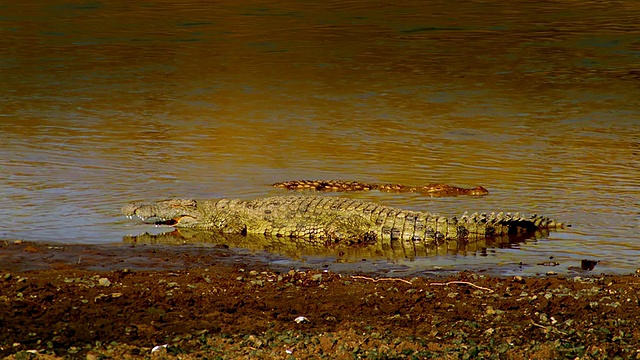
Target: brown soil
(56, 302)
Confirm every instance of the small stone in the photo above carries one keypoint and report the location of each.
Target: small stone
(544, 318)
(31, 249)
(100, 297)
(104, 282)
(158, 348)
(256, 341)
(588, 265)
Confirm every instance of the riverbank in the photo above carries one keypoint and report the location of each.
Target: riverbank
(164, 302)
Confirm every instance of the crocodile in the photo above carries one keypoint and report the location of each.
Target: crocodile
(433, 190)
(326, 220)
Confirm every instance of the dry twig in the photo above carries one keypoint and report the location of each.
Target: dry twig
(462, 282)
(380, 279)
(549, 328)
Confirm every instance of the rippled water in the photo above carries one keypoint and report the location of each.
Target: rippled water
(101, 104)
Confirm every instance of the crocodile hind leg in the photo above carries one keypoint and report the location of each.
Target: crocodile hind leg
(335, 229)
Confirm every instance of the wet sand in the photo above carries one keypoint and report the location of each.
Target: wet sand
(93, 302)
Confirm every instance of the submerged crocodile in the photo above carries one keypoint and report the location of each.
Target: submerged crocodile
(323, 220)
(433, 190)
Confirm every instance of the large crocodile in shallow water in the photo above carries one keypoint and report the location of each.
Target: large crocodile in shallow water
(434, 190)
(334, 220)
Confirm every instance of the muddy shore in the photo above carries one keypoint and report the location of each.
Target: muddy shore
(100, 302)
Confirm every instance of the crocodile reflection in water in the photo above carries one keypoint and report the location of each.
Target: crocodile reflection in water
(297, 248)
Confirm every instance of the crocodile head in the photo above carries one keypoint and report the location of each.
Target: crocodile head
(175, 212)
(478, 191)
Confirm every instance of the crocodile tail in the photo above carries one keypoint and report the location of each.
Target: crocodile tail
(507, 224)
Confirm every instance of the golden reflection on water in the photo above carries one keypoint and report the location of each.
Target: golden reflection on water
(104, 102)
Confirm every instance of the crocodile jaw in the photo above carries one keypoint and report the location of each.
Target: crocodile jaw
(178, 212)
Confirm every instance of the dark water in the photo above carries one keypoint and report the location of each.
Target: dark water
(104, 103)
